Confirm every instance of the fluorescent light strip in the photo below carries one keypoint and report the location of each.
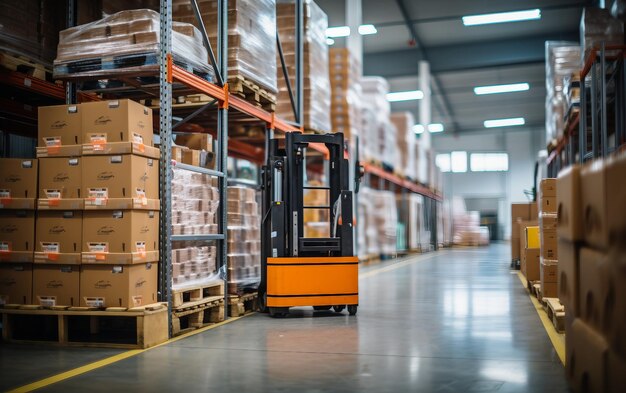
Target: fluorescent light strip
(329, 41)
(344, 31)
(367, 29)
(515, 121)
(433, 128)
(497, 89)
(405, 96)
(502, 17)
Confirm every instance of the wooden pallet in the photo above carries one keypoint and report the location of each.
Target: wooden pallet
(25, 66)
(369, 258)
(252, 92)
(196, 294)
(137, 327)
(556, 313)
(244, 304)
(194, 315)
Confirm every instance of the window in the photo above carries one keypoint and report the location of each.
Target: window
(458, 161)
(489, 162)
(443, 162)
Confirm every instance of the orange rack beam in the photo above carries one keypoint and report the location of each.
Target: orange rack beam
(416, 188)
(573, 125)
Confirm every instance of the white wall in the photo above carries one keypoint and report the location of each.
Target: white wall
(522, 145)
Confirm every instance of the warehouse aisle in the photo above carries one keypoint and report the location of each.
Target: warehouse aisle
(455, 320)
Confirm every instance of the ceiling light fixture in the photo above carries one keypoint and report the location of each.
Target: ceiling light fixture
(515, 121)
(339, 31)
(502, 17)
(367, 29)
(432, 128)
(405, 96)
(329, 41)
(497, 89)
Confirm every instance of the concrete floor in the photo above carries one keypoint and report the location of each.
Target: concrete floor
(455, 320)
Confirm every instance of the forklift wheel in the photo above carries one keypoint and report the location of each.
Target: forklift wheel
(321, 308)
(261, 303)
(278, 312)
(352, 309)
(339, 308)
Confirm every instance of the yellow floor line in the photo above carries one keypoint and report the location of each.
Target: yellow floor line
(113, 359)
(557, 339)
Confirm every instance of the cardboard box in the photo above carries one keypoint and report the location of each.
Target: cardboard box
(16, 283)
(120, 181)
(17, 235)
(195, 141)
(532, 237)
(60, 182)
(120, 236)
(548, 204)
(18, 183)
(569, 269)
(586, 355)
(548, 221)
(518, 242)
(569, 208)
(59, 125)
(547, 188)
(549, 289)
(616, 372)
(118, 285)
(549, 271)
(615, 173)
(549, 245)
(530, 264)
(116, 121)
(614, 286)
(59, 237)
(593, 291)
(56, 285)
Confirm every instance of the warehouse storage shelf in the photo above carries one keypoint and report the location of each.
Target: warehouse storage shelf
(216, 236)
(406, 184)
(198, 169)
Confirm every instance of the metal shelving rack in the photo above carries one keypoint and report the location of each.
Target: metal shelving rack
(176, 81)
(589, 134)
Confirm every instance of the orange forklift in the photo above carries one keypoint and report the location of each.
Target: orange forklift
(306, 271)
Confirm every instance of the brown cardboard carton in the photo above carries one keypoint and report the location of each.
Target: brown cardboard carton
(530, 266)
(520, 210)
(60, 182)
(120, 182)
(549, 289)
(547, 188)
(116, 121)
(615, 172)
(521, 226)
(191, 157)
(195, 141)
(59, 125)
(569, 269)
(120, 236)
(548, 204)
(593, 194)
(17, 235)
(616, 372)
(56, 285)
(177, 153)
(593, 293)
(613, 277)
(534, 212)
(118, 285)
(16, 283)
(549, 245)
(18, 183)
(58, 237)
(586, 362)
(549, 271)
(548, 221)
(569, 208)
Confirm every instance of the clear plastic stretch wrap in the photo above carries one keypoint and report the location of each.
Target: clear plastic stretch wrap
(597, 25)
(381, 222)
(194, 205)
(346, 94)
(405, 142)
(244, 240)
(411, 213)
(562, 65)
(382, 141)
(251, 36)
(316, 88)
(126, 41)
(466, 226)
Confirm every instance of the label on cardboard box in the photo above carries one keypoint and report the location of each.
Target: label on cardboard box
(5, 194)
(94, 301)
(140, 197)
(98, 247)
(137, 138)
(98, 141)
(137, 300)
(47, 301)
(52, 144)
(53, 194)
(5, 246)
(99, 196)
(50, 247)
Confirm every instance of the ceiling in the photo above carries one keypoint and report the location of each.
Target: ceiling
(463, 57)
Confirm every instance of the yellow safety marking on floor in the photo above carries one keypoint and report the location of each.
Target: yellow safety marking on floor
(114, 359)
(403, 262)
(557, 339)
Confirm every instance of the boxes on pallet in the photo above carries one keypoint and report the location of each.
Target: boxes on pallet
(614, 288)
(548, 277)
(60, 183)
(520, 212)
(530, 264)
(116, 121)
(56, 285)
(597, 27)
(547, 196)
(569, 275)
(569, 205)
(17, 235)
(110, 285)
(59, 125)
(593, 292)
(58, 237)
(18, 183)
(547, 225)
(251, 36)
(194, 204)
(586, 354)
(405, 142)
(16, 283)
(120, 236)
(316, 88)
(346, 96)
(562, 60)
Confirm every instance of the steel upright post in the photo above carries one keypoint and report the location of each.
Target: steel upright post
(299, 63)
(70, 87)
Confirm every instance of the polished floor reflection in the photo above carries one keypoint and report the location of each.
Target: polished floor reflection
(451, 321)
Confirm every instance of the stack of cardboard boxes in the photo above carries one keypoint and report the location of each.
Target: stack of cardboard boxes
(592, 273)
(94, 241)
(530, 251)
(547, 232)
(345, 93)
(522, 215)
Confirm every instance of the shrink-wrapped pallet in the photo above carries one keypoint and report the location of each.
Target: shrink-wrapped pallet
(381, 143)
(251, 36)
(316, 82)
(405, 142)
(466, 226)
(128, 41)
(384, 221)
(597, 26)
(562, 61)
(346, 97)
